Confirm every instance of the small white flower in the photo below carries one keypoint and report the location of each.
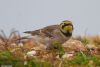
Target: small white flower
(25, 62)
(31, 53)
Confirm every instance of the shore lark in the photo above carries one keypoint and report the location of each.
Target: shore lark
(54, 33)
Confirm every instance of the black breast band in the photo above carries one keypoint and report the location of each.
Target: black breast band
(67, 34)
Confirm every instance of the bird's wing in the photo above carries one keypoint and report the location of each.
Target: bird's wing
(46, 31)
(49, 30)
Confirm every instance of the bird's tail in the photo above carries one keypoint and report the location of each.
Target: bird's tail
(32, 32)
(28, 32)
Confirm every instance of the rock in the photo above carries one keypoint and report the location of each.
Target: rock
(90, 46)
(20, 44)
(96, 51)
(2, 48)
(30, 43)
(68, 55)
(75, 45)
(39, 47)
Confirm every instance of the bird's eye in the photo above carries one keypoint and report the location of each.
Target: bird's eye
(64, 23)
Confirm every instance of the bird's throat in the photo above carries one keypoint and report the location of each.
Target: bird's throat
(67, 34)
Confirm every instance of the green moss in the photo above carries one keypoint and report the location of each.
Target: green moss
(79, 59)
(38, 63)
(58, 48)
(96, 60)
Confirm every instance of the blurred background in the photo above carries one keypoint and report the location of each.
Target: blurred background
(26, 15)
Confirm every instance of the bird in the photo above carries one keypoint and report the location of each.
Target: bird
(52, 34)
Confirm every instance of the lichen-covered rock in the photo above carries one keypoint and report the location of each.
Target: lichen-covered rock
(74, 45)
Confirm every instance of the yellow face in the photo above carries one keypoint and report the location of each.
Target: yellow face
(66, 26)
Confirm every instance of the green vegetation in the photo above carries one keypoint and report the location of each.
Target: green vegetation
(11, 53)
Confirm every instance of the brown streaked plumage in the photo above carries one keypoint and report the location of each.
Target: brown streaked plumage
(52, 33)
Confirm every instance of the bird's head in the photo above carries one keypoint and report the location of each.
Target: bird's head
(66, 27)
